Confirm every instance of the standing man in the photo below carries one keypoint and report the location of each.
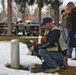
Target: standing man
(65, 31)
(71, 26)
(53, 50)
(64, 15)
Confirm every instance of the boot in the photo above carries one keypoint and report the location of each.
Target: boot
(65, 62)
(74, 58)
(52, 70)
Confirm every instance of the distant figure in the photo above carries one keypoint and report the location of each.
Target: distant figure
(20, 21)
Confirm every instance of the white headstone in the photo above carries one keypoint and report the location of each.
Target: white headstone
(15, 54)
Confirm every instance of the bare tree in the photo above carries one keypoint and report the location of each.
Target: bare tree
(3, 6)
(9, 31)
(56, 11)
(39, 4)
(3, 13)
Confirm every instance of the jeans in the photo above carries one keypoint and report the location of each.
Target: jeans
(65, 33)
(65, 36)
(51, 59)
(69, 50)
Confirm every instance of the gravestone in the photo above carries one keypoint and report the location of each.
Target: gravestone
(15, 54)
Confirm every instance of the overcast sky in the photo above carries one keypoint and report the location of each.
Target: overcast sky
(66, 1)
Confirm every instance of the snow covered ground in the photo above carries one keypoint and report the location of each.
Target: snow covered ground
(25, 60)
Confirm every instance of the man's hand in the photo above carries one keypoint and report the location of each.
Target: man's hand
(75, 36)
(31, 48)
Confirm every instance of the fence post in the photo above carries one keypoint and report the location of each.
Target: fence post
(15, 54)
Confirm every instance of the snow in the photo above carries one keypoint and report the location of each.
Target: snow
(25, 60)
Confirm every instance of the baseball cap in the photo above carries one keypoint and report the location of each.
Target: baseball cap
(46, 20)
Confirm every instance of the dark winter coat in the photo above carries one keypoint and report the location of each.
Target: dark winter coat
(51, 39)
(72, 27)
(54, 41)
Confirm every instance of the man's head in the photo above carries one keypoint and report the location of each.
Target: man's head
(70, 6)
(62, 11)
(48, 22)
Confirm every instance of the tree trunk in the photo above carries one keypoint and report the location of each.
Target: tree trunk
(39, 17)
(56, 7)
(23, 16)
(3, 6)
(3, 13)
(9, 31)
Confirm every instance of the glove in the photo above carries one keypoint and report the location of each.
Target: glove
(31, 48)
